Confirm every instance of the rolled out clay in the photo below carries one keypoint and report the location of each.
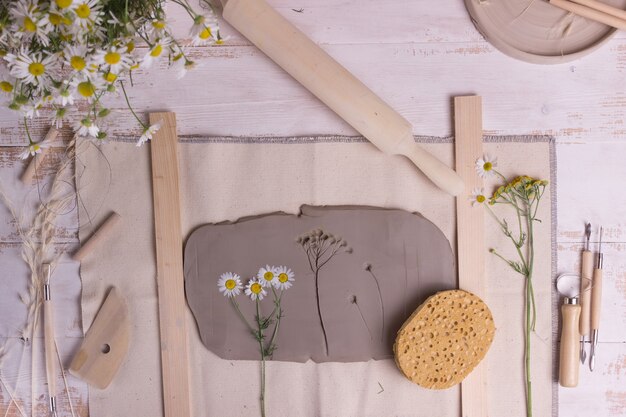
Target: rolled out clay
(392, 256)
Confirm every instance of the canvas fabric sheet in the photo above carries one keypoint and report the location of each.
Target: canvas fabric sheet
(227, 178)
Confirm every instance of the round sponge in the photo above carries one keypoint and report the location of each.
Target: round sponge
(444, 339)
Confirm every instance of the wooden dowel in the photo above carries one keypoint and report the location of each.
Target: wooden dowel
(98, 236)
(603, 7)
(29, 172)
(589, 13)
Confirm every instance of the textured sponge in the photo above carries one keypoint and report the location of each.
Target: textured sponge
(444, 339)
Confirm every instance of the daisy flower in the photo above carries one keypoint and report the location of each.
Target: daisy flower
(32, 68)
(30, 22)
(115, 59)
(87, 86)
(229, 284)
(155, 52)
(267, 276)
(205, 35)
(485, 166)
(285, 278)
(6, 87)
(148, 133)
(88, 14)
(66, 5)
(255, 290)
(64, 96)
(58, 117)
(33, 149)
(478, 196)
(76, 56)
(87, 127)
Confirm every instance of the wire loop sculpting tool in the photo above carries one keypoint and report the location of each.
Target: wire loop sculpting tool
(49, 343)
(567, 285)
(586, 275)
(596, 302)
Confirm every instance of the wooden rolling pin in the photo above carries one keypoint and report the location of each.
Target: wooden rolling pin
(335, 86)
(569, 354)
(29, 173)
(98, 236)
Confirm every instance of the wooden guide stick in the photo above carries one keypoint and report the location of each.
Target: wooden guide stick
(98, 236)
(590, 13)
(335, 86)
(603, 7)
(29, 172)
(169, 256)
(468, 144)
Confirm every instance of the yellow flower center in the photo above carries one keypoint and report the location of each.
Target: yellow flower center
(110, 77)
(269, 275)
(78, 63)
(112, 58)
(63, 4)
(3, 53)
(205, 34)
(480, 198)
(158, 24)
(36, 69)
(6, 86)
(55, 19)
(156, 51)
(29, 25)
(256, 288)
(130, 46)
(86, 89)
(83, 11)
(230, 284)
(134, 67)
(487, 166)
(282, 277)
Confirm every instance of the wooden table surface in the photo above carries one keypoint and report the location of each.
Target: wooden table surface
(416, 54)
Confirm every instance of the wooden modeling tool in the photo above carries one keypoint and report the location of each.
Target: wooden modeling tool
(29, 173)
(594, 10)
(169, 255)
(468, 131)
(586, 275)
(569, 354)
(596, 303)
(100, 235)
(49, 341)
(335, 86)
(105, 345)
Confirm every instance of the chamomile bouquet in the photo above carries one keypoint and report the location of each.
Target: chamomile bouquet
(61, 58)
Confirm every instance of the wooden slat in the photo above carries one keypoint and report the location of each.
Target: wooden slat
(169, 252)
(470, 233)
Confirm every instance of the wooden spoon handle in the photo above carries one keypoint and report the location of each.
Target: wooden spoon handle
(596, 299)
(586, 276)
(569, 354)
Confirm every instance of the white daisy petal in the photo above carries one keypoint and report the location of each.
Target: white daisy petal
(229, 284)
(267, 275)
(148, 133)
(485, 166)
(255, 290)
(284, 278)
(478, 196)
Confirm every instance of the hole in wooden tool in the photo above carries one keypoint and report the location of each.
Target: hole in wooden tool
(106, 348)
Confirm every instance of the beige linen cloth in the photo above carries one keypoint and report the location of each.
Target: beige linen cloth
(225, 179)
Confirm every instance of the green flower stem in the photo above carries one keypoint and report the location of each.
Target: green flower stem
(131, 107)
(30, 139)
(236, 305)
(260, 339)
(277, 299)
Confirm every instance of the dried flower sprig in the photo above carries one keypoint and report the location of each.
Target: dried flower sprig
(277, 280)
(523, 194)
(63, 53)
(320, 247)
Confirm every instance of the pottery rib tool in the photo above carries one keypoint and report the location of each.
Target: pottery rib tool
(49, 341)
(335, 86)
(31, 168)
(98, 236)
(585, 293)
(567, 285)
(169, 255)
(468, 131)
(105, 345)
(594, 10)
(596, 303)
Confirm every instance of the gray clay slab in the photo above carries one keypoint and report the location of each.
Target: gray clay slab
(410, 260)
